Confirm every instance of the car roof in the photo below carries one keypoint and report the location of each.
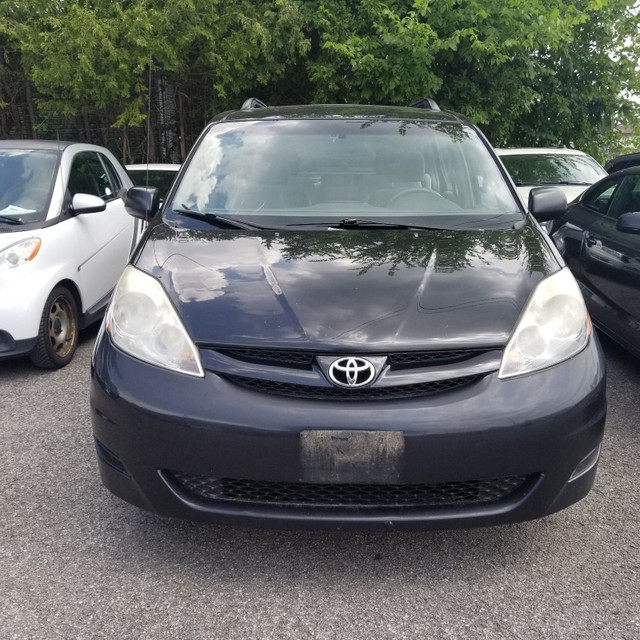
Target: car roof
(633, 169)
(626, 156)
(55, 145)
(337, 112)
(156, 166)
(539, 151)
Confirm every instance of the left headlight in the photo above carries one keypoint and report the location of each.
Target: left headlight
(19, 253)
(142, 322)
(555, 326)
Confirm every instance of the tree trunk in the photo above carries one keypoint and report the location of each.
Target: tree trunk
(183, 146)
(32, 118)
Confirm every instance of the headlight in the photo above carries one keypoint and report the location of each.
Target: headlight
(555, 325)
(142, 322)
(19, 253)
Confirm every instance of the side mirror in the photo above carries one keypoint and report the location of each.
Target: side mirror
(547, 203)
(87, 203)
(629, 222)
(142, 202)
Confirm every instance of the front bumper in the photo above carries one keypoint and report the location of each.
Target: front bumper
(153, 426)
(10, 348)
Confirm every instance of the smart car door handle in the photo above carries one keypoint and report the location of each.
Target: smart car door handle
(591, 241)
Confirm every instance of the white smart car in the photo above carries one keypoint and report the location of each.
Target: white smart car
(65, 237)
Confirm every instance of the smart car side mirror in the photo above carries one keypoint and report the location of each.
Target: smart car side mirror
(142, 202)
(547, 203)
(629, 222)
(87, 203)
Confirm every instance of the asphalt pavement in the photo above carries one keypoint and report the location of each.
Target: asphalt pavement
(76, 562)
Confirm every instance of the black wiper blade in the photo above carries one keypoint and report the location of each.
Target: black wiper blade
(11, 220)
(214, 218)
(355, 223)
(568, 182)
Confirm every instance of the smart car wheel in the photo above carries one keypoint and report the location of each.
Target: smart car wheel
(58, 335)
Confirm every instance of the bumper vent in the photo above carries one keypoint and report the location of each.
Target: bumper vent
(311, 392)
(110, 459)
(210, 489)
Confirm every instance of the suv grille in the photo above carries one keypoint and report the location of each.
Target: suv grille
(210, 489)
(302, 359)
(406, 359)
(311, 392)
(397, 360)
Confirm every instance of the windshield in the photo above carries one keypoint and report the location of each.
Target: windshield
(552, 168)
(307, 170)
(26, 180)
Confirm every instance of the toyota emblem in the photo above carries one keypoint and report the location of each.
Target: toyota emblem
(351, 372)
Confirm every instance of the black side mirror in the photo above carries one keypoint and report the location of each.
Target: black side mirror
(87, 203)
(547, 203)
(629, 222)
(142, 202)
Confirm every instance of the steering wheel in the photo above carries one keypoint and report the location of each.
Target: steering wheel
(412, 191)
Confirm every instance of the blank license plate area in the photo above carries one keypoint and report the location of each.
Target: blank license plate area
(342, 457)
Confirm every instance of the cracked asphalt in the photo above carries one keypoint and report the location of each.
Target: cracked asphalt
(76, 562)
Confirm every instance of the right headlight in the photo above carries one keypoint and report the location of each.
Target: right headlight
(554, 326)
(143, 323)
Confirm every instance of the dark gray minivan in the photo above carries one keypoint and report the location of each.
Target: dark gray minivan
(343, 317)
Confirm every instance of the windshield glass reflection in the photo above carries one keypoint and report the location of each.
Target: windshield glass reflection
(26, 177)
(310, 169)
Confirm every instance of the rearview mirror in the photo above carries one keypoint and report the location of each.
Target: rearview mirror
(547, 203)
(629, 222)
(142, 202)
(87, 203)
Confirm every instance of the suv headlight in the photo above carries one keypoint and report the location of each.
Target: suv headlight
(142, 322)
(555, 325)
(19, 253)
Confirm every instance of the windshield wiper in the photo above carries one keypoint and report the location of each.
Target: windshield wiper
(214, 218)
(551, 184)
(354, 223)
(11, 220)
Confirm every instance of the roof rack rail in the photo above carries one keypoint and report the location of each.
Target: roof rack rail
(426, 103)
(252, 103)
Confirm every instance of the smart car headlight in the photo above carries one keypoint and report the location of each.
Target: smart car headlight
(555, 325)
(19, 253)
(142, 322)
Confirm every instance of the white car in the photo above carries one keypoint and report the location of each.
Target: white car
(65, 238)
(571, 170)
(158, 175)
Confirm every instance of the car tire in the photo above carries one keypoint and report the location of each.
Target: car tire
(58, 333)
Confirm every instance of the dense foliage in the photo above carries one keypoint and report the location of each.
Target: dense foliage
(534, 72)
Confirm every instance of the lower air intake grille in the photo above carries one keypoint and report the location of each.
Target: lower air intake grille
(209, 489)
(310, 392)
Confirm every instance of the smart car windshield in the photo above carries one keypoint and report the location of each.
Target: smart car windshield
(26, 179)
(432, 173)
(553, 168)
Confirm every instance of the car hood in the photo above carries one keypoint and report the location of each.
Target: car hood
(356, 289)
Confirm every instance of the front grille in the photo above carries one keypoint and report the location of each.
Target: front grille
(302, 359)
(397, 360)
(310, 392)
(411, 359)
(211, 489)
